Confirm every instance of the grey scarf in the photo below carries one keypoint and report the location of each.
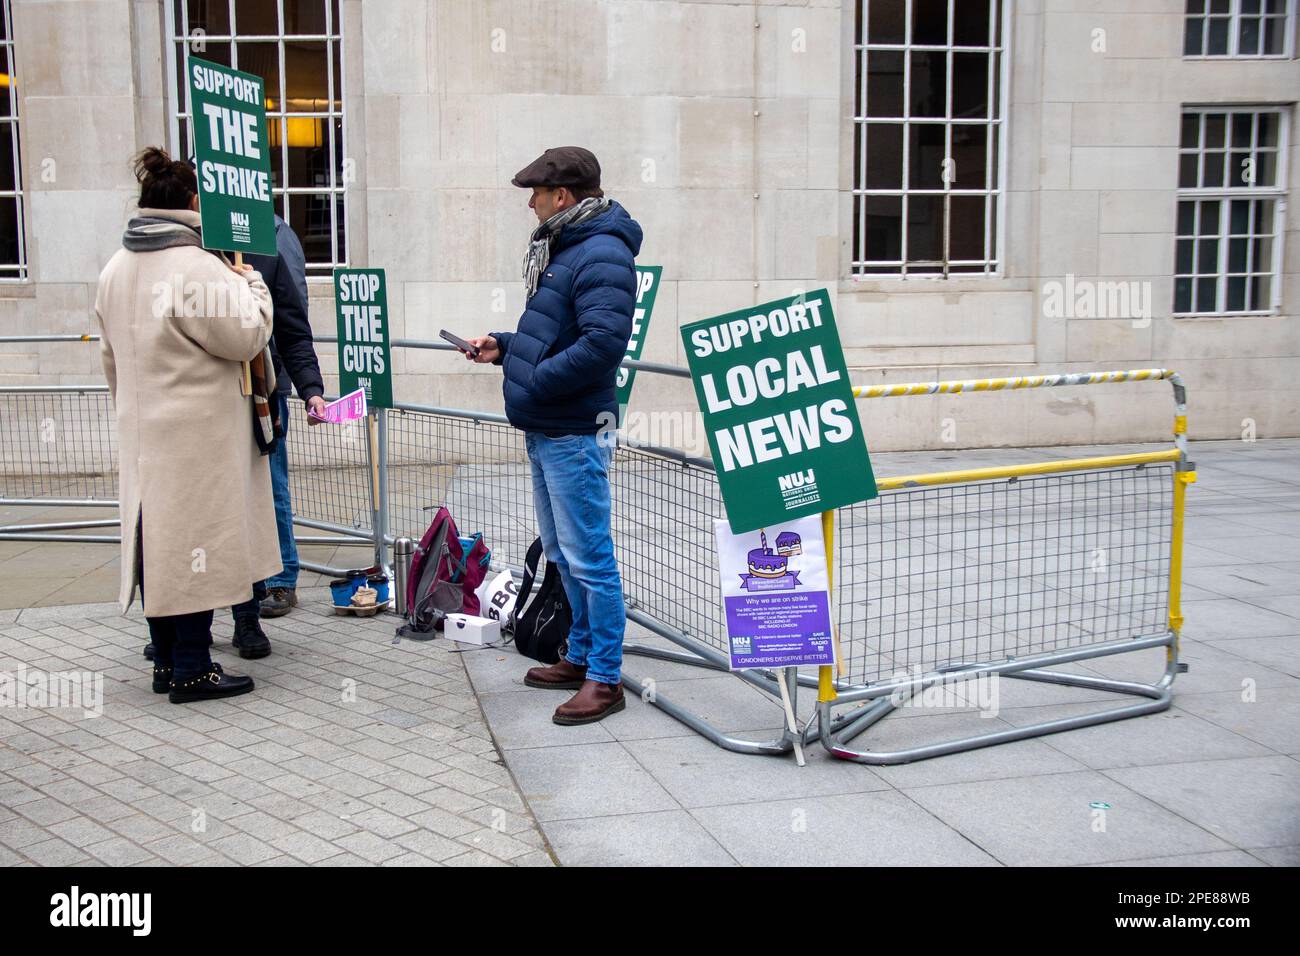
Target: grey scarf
(539, 245)
(150, 233)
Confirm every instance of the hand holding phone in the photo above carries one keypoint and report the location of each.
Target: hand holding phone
(470, 350)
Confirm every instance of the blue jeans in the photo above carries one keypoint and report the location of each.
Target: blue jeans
(571, 496)
(288, 576)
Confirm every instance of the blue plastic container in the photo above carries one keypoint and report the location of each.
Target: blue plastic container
(341, 591)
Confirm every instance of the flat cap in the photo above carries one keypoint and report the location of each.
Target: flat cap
(561, 166)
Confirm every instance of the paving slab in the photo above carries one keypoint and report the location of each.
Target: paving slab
(662, 838)
(1223, 858)
(1171, 736)
(697, 773)
(1050, 820)
(1268, 716)
(1278, 855)
(1250, 801)
(139, 783)
(586, 780)
(1225, 618)
(883, 828)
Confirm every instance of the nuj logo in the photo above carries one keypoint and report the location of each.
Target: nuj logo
(797, 479)
(239, 220)
(74, 908)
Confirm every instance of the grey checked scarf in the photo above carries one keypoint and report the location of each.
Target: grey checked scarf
(539, 244)
(146, 233)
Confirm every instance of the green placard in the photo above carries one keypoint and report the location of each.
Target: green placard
(647, 287)
(233, 156)
(779, 411)
(361, 306)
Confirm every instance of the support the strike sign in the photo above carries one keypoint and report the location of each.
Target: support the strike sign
(233, 160)
(779, 411)
(361, 306)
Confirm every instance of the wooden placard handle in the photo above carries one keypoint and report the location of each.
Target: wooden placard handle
(246, 368)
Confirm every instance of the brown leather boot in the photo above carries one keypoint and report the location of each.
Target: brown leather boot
(594, 701)
(561, 676)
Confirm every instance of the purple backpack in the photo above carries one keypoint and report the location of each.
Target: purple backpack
(446, 571)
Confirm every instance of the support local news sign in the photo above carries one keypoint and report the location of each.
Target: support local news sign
(232, 156)
(779, 411)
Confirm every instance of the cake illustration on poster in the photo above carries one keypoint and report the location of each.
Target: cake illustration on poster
(776, 594)
(769, 570)
(788, 543)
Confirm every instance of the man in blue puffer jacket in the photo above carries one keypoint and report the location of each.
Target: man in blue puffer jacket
(560, 365)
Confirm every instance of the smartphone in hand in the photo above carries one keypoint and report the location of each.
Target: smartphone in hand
(456, 340)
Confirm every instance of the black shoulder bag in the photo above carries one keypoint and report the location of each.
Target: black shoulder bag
(541, 628)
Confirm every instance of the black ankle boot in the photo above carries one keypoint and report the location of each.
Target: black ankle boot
(162, 679)
(208, 686)
(250, 640)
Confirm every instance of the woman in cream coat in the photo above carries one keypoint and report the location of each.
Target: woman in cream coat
(198, 519)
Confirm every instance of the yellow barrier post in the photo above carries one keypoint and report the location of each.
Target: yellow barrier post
(825, 678)
(1182, 478)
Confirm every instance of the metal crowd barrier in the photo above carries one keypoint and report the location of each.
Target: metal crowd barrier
(1007, 572)
(944, 578)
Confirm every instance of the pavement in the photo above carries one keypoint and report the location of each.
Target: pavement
(352, 750)
(438, 756)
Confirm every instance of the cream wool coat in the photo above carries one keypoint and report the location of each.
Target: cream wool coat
(193, 490)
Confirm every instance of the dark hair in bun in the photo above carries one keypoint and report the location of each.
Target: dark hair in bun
(165, 183)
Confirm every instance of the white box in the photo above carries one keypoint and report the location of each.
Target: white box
(472, 630)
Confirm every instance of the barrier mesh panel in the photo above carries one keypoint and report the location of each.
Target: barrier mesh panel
(933, 576)
(329, 471)
(663, 513)
(58, 445)
(478, 469)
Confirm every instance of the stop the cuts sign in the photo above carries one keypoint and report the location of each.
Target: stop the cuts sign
(361, 306)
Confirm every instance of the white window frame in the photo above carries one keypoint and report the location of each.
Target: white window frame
(1225, 194)
(1234, 15)
(178, 113)
(17, 272)
(999, 87)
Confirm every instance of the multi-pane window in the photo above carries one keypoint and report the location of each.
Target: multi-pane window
(927, 137)
(1231, 196)
(296, 47)
(1238, 28)
(13, 254)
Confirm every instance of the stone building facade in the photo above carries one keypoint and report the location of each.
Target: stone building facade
(985, 189)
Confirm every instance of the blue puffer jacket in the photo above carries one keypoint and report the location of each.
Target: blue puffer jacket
(561, 362)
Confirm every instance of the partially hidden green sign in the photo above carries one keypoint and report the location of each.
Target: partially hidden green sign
(233, 158)
(361, 305)
(647, 287)
(774, 391)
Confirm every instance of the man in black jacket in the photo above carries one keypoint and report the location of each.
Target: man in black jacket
(294, 353)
